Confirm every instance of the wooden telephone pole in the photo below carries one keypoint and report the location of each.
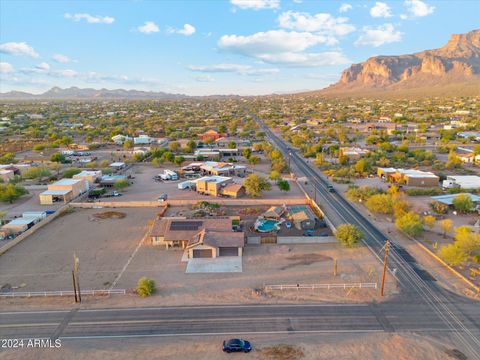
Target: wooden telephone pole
(76, 282)
(385, 260)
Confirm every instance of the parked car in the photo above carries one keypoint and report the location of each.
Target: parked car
(237, 345)
(162, 197)
(330, 188)
(288, 224)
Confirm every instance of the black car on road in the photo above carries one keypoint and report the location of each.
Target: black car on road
(237, 345)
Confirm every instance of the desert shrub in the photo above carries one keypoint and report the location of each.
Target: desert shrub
(145, 287)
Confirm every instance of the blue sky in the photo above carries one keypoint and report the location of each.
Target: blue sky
(212, 47)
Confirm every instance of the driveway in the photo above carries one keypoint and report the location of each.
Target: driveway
(223, 264)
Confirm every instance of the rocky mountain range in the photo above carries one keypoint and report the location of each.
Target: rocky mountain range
(451, 68)
(88, 93)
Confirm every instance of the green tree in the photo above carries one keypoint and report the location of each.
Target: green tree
(447, 226)
(275, 175)
(452, 255)
(255, 185)
(247, 152)
(121, 184)
(145, 287)
(175, 147)
(348, 234)
(232, 144)
(36, 172)
(178, 160)
(283, 185)
(362, 166)
(429, 220)
(58, 157)
(7, 158)
(410, 224)
(70, 172)
(254, 160)
(128, 144)
(10, 192)
(463, 203)
(380, 203)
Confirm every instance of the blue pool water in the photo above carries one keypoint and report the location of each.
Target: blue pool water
(267, 225)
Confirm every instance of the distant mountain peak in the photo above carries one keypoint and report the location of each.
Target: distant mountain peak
(458, 62)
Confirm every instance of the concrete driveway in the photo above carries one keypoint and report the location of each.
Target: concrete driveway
(223, 264)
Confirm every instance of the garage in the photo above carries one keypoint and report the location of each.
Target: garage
(202, 253)
(228, 251)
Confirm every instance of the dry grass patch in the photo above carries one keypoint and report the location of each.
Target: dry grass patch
(110, 215)
(282, 352)
(306, 259)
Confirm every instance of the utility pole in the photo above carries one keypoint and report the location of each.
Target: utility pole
(76, 279)
(385, 260)
(314, 193)
(335, 267)
(74, 286)
(289, 157)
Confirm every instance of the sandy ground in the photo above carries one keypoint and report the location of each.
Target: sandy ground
(44, 260)
(378, 346)
(262, 264)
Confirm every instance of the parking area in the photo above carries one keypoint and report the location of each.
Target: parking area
(29, 202)
(103, 244)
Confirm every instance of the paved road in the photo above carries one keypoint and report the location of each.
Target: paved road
(214, 320)
(417, 285)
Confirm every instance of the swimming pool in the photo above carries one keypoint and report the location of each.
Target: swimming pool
(264, 225)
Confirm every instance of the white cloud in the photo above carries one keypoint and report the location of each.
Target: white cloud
(187, 30)
(417, 8)
(381, 9)
(68, 73)
(148, 27)
(379, 35)
(256, 4)
(345, 7)
(282, 47)
(92, 19)
(21, 48)
(63, 59)
(5, 68)
(233, 68)
(204, 78)
(43, 66)
(321, 22)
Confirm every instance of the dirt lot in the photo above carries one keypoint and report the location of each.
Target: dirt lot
(144, 188)
(262, 264)
(379, 346)
(43, 261)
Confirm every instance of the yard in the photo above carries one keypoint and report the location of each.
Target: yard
(43, 261)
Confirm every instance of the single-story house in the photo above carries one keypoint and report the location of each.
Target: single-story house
(91, 176)
(63, 190)
(142, 140)
(210, 237)
(469, 158)
(212, 185)
(409, 177)
(222, 168)
(353, 153)
(18, 225)
(233, 190)
(210, 135)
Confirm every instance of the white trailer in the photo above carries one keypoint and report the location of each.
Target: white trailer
(185, 185)
(168, 175)
(462, 182)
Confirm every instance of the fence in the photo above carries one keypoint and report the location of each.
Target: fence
(63, 293)
(321, 286)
